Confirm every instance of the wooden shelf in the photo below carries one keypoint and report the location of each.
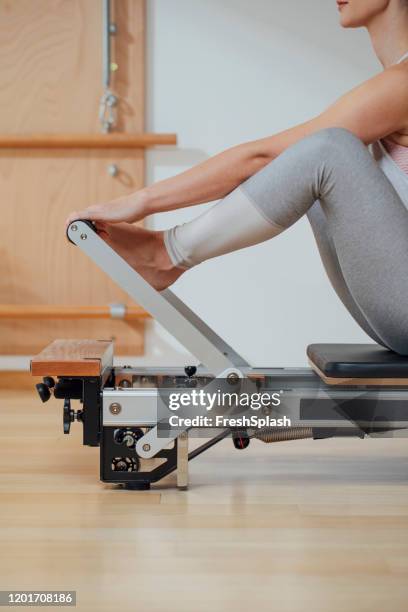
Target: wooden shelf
(85, 141)
(52, 311)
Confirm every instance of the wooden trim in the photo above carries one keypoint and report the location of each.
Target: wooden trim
(350, 382)
(53, 311)
(73, 358)
(17, 380)
(85, 141)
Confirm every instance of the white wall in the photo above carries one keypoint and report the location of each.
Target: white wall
(221, 72)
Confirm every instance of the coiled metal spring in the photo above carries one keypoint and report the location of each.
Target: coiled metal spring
(280, 434)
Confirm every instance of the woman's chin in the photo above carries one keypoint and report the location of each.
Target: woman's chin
(347, 22)
(343, 21)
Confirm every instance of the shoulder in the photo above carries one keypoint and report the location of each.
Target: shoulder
(376, 108)
(391, 83)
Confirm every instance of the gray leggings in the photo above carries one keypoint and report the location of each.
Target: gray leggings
(358, 219)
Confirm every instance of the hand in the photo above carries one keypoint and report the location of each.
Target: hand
(129, 209)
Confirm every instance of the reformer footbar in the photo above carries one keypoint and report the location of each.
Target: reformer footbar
(351, 390)
(215, 354)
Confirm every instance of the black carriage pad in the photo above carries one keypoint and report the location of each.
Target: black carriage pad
(357, 361)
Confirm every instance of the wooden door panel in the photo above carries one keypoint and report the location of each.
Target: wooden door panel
(50, 82)
(51, 65)
(37, 264)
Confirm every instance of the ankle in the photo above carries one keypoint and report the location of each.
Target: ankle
(163, 260)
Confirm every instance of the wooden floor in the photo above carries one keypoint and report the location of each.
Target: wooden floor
(296, 526)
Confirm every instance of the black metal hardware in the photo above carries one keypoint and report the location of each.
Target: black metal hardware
(49, 381)
(240, 439)
(43, 391)
(190, 370)
(68, 416)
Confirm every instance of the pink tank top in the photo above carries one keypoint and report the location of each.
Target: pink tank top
(398, 153)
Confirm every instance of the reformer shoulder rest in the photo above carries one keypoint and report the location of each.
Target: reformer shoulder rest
(350, 361)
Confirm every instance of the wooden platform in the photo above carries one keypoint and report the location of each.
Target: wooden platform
(73, 358)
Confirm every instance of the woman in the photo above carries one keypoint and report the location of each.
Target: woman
(356, 202)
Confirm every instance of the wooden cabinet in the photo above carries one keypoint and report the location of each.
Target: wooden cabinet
(51, 84)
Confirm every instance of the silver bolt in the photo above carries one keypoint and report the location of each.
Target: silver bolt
(232, 378)
(74, 228)
(125, 384)
(112, 29)
(113, 170)
(84, 236)
(128, 440)
(115, 408)
(111, 100)
(146, 448)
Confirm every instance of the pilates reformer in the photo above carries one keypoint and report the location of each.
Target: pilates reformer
(350, 390)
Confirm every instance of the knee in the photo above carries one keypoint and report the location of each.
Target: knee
(333, 141)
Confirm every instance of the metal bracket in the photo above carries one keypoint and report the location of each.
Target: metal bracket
(148, 446)
(117, 310)
(213, 352)
(109, 100)
(182, 461)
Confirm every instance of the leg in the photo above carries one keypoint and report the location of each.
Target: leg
(331, 264)
(256, 230)
(368, 223)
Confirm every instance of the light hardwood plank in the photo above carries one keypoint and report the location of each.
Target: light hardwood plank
(319, 525)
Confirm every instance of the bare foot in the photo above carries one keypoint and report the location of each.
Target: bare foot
(144, 250)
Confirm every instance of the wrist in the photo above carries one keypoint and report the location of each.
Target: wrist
(146, 201)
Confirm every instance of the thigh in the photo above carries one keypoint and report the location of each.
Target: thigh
(368, 225)
(332, 267)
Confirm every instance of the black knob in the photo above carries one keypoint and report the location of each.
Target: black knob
(128, 437)
(43, 392)
(241, 440)
(79, 415)
(49, 381)
(68, 416)
(190, 371)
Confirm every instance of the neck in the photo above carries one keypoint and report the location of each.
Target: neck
(389, 34)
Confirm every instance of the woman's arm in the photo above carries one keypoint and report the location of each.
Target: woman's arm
(373, 110)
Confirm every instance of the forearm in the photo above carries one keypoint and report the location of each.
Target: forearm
(207, 181)
(219, 175)
(211, 180)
